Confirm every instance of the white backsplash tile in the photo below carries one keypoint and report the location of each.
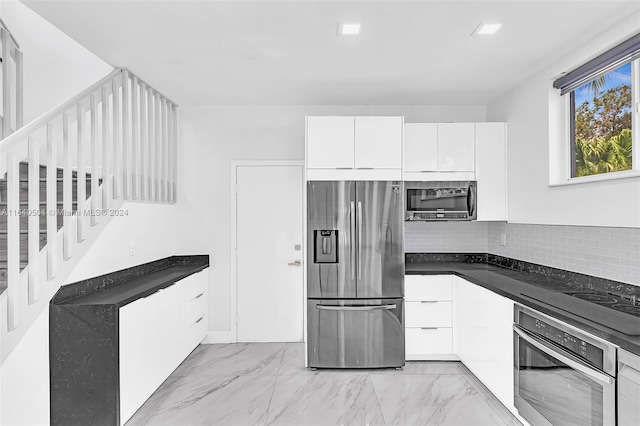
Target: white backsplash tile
(606, 252)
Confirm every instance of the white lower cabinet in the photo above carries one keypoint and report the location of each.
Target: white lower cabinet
(156, 334)
(484, 337)
(448, 317)
(428, 317)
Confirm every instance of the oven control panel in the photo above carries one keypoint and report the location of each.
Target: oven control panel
(567, 341)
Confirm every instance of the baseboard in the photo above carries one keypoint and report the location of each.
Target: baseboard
(217, 337)
(432, 357)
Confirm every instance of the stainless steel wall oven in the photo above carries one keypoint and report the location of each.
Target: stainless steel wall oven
(562, 374)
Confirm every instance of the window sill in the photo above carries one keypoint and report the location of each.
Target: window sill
(599, 178)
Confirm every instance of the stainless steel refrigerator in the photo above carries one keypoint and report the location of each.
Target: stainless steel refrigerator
(355, 274)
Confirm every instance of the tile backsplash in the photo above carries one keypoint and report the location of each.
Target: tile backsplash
(606, 252)
(445, 237)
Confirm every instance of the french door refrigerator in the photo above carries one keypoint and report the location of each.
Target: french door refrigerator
(355, 274)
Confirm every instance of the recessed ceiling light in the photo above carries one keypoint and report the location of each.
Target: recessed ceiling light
(348, 29)
(486, 29)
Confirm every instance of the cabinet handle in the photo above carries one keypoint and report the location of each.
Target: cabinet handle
(429, 301)
(344, 168)
(198, 320)
(429, 328)
(365, 168)
(199, 296)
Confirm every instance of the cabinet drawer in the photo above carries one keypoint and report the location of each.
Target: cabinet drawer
(197, 330)
(197, 307)
(428, 287)
(431, 314)
(194, 285)
(428, 341)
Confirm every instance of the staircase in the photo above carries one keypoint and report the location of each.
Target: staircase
(114, 142)
(24, 199)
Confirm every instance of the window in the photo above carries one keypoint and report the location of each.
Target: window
(603, 113)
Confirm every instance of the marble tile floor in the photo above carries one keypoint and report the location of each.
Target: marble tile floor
(267, 383)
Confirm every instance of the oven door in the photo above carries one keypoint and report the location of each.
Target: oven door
(553, 387)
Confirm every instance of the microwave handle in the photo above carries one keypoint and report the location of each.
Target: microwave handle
(471, 199)
(563, 356)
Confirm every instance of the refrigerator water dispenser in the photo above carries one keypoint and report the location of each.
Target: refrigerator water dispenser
(326, 246)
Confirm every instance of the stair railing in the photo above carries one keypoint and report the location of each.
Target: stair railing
(120, 131)
(12, 109)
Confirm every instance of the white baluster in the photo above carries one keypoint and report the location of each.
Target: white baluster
(67, 188)
(175, 155)
(158, 149)
(106, 149)
(135, 138)
(94, 160)
(170, 158)
(13, 241)
(81, 183)
(115, 139)
(144, 135)
(126, 136)
(19, 90)
(52, 204)
(163, 154)
(34, 220)
(150, 144)
(6, 83)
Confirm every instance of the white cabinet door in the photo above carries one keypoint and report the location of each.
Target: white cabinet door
(420, 147)
(330, 142)
(456, 147)
(427, 341)
(146, 327)
(427, 314)
(428, 287)
(378, 142)
(484, 337)
(491, 171)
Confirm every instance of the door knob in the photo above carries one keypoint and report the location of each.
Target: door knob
(295, 263)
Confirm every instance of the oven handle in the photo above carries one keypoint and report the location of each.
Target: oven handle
(356, 308)
(563, 356)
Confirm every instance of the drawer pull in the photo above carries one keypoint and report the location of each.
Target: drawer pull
(429, 328)
(198, 320)
(429, 301)
(199, 296)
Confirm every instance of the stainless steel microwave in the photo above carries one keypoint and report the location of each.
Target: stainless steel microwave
(437, 201)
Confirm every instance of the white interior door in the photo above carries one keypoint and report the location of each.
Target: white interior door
(270, 253)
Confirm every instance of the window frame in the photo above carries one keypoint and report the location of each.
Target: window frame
(635, 134)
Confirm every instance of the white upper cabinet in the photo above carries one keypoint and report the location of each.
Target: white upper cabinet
(345, 148)
(491, 171)
(378, 142)
(439, 151)
(420, 147)
(330, 142)
(456, 147)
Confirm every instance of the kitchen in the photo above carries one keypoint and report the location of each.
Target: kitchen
(537, 212)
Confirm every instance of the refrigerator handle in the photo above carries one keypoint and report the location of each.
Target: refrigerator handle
(359, 240)
(352, 229)
(356, 308)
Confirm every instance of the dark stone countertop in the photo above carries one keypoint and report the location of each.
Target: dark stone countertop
(125, 286)
(547, 290)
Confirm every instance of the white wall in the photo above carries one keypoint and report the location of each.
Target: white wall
(24, 389)
(211, 137)
(530, 198)
(55, 66)
(24, 378)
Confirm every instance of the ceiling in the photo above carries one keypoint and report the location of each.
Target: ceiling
(288, 52)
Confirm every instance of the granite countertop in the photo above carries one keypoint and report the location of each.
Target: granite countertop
(544, 289)
(125, 286)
